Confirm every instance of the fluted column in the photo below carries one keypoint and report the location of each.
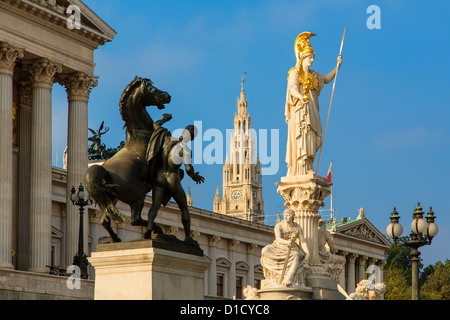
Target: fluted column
(94, 220)
(351, 273)
(8, 57)
(342, 281)
(212, 271)
(251, 248)
(24, 174)
(361, 268)
(232, 244)
(42, 72)
(121, 228)
(78, 86)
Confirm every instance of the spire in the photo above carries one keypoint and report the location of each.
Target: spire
(217, 193)
(243, 87)
(242, 102)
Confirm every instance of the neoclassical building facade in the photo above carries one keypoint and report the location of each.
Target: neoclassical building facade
(39, 224)
(42, 44)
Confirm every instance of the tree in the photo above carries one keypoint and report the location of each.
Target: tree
(437, 284)
(397, 287)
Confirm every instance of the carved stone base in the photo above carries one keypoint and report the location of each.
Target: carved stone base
(304, 195)
(142, 270)
(322, 284)
(271, 291)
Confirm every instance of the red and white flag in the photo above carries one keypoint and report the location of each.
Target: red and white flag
(330, 172)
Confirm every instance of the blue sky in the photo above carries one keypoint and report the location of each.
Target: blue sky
(388, 134)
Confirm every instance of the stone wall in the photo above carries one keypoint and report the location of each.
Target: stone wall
(20, 285)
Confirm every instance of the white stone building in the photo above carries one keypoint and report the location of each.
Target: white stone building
(39, 224)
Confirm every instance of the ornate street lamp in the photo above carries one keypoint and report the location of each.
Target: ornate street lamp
(80, 258)
(422, 233)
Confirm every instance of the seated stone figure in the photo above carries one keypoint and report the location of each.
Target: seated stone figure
(334, 263)
(285, 261)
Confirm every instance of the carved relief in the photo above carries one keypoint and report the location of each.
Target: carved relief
(304, 197)
(363, 232)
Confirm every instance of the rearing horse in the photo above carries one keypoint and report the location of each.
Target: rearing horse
(125, 176)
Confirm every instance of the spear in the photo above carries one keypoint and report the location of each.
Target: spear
(331, 101)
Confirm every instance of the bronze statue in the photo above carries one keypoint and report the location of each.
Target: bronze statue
(126, 176)
(165, 155)
(97, 148)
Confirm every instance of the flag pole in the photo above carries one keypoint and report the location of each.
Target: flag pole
(331, 101)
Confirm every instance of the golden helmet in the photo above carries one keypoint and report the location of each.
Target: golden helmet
(302, 44)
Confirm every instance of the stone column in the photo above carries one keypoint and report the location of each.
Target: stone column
(42, 72)
(251, 248)
(212, 271)
(361, 268)
(78, 86)
(24, 174)
(304, 195)
(8, 57)
(232, 244)
(121, 229)
(351, 273)
(342, 281)
(94, 220)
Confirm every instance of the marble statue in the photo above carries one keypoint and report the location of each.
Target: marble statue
(333, 262)
(302, 108)
(365, 290)
(285, 261)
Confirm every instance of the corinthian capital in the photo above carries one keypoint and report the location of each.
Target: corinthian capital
(42, 71)
(8, 57)
(78, 85)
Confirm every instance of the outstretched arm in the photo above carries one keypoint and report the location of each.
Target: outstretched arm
(329, 77)
(166, 117)
(194, 175)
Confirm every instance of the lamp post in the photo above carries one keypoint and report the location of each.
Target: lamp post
(80, 258)
(422, 233)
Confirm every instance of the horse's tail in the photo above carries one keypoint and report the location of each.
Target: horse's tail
(98, 184)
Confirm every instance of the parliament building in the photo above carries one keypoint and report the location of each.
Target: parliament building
(39, 225)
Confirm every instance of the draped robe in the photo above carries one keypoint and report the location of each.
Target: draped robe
(304, 126)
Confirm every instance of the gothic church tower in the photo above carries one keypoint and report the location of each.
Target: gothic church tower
(242, 183)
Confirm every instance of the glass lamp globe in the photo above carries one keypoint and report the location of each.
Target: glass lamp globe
(73, 195)
(432, 230)
(419, 226)
(394, 230)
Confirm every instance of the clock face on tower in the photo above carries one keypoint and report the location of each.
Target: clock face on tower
(236, 196)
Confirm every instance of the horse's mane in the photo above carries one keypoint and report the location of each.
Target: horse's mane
(126, 94)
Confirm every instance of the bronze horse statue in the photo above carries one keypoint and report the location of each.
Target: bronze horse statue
(126, 176)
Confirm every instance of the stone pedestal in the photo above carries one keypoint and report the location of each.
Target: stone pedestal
(304, 195)
(322, 284)
(149, 270)
(270, 291)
